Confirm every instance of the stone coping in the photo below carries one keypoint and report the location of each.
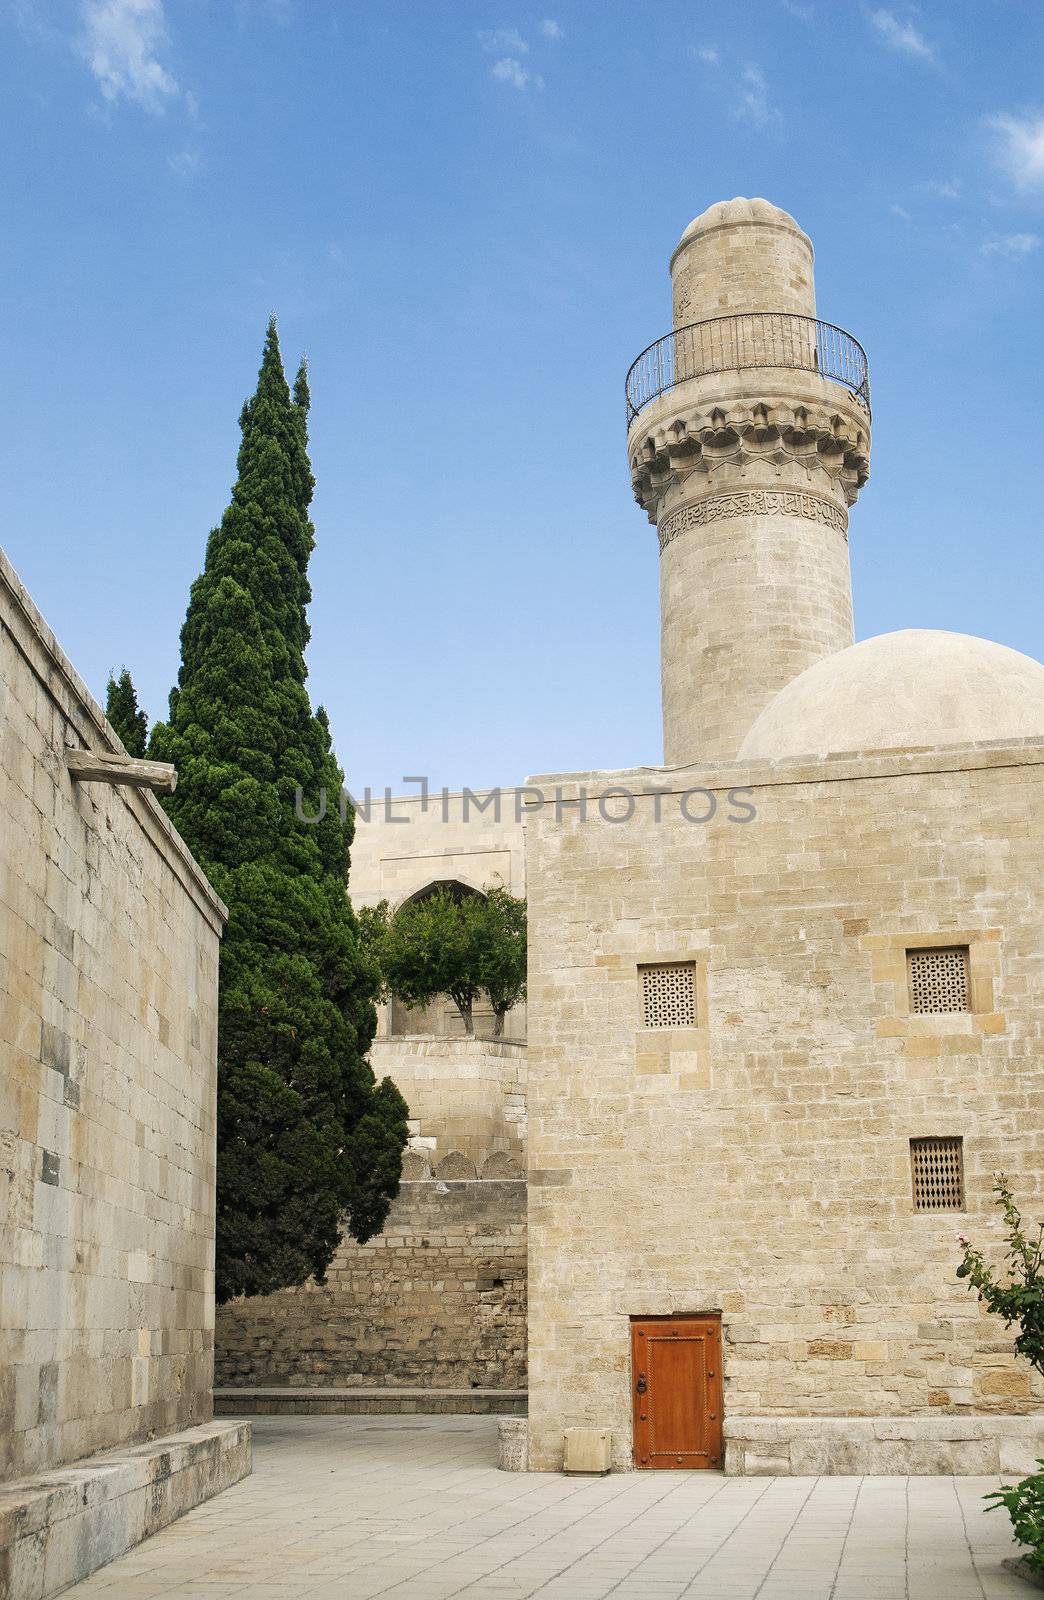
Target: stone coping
(300, 1391)
(97, 734)
(301, 1400)
(59, 1526)
(841, 767)
(431, 1044)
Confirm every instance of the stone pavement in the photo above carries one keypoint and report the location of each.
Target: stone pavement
(352, 1508)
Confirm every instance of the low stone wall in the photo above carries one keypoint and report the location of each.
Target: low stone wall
(918, 1446)
(438, 1299)
(62, 1525)
(368, 1400)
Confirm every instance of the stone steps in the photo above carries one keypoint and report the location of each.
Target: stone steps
(358, 1400)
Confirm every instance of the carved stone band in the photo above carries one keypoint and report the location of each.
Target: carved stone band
(791, 502)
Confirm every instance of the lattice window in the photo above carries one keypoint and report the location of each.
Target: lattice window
(938, 979)
(938, 1174)
(669, 995)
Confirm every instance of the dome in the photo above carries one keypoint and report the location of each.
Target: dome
(727, 213)
(900, 691)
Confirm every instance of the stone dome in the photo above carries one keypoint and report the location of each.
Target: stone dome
(727, 213)
(900, 691)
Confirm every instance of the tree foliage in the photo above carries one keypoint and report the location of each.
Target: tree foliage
(123, 714)
(306, 1138)
(456, 944)
(1019, 1298)
(501, 929)
(430, 949)
(373, 923)
(1024, 1503)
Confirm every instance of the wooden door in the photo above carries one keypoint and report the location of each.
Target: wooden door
(676, 1386)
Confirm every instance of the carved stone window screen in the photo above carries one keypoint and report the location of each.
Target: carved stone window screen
(938, 979)
(938, 1174)
(668, 995)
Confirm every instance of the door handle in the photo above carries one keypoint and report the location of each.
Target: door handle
(641, 1383)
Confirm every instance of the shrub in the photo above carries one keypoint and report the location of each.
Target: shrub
(1025, 1506)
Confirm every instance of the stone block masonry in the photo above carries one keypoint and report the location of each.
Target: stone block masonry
(436, 1300)
(59, 1528)
(109, 936)
(769, 1179)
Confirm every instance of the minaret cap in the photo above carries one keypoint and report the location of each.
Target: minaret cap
(733, 213)
(741, 256)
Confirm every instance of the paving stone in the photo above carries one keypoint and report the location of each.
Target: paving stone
(397, 1508)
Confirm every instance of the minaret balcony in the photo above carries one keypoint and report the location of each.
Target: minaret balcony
(748, 340)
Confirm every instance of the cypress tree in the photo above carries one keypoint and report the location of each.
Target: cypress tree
(121, 709)
(307, 1141)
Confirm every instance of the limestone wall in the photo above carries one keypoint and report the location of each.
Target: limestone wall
(757, 1164)
(438, 1299)
(108, 991)
(467, 1100)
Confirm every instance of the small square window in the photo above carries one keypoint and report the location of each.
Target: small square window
(938, 979)
(938, 1174)
(669, 995)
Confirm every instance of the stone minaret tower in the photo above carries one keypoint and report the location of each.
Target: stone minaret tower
(748, 438)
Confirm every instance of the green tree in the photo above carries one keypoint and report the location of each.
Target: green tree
(374, 922)
(307, 1141)
(1018, 1297)
(500, 920)
(121, 709)
(431, 948)
(456, 944)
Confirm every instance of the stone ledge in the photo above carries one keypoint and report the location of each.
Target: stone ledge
(366, 1400)
(905, 1446)
(60, 1526)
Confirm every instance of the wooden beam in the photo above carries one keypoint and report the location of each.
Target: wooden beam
(103, 766)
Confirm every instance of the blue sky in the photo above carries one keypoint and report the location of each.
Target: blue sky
(463, 214)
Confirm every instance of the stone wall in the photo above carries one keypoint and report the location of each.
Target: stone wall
(437, 1299)
(108, 992)
(467, 1100)
(757, 1164)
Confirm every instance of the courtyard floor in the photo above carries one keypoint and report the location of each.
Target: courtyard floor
(360, 1507)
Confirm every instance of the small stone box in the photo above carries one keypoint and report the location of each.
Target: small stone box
(587, 1450)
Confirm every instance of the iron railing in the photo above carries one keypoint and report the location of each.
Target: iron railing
(749, 339)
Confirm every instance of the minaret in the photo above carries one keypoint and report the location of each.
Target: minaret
(748, 438)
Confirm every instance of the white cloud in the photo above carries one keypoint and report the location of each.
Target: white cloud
(901, 36)
(710, 55)
(510, 70)
(550, 28)
(900, 211)
(1022, 147)
(122, 40)
(948, 190)
(503, 42)
(752, 103)
(803, 13)
(1014, 246)
(184, 162)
